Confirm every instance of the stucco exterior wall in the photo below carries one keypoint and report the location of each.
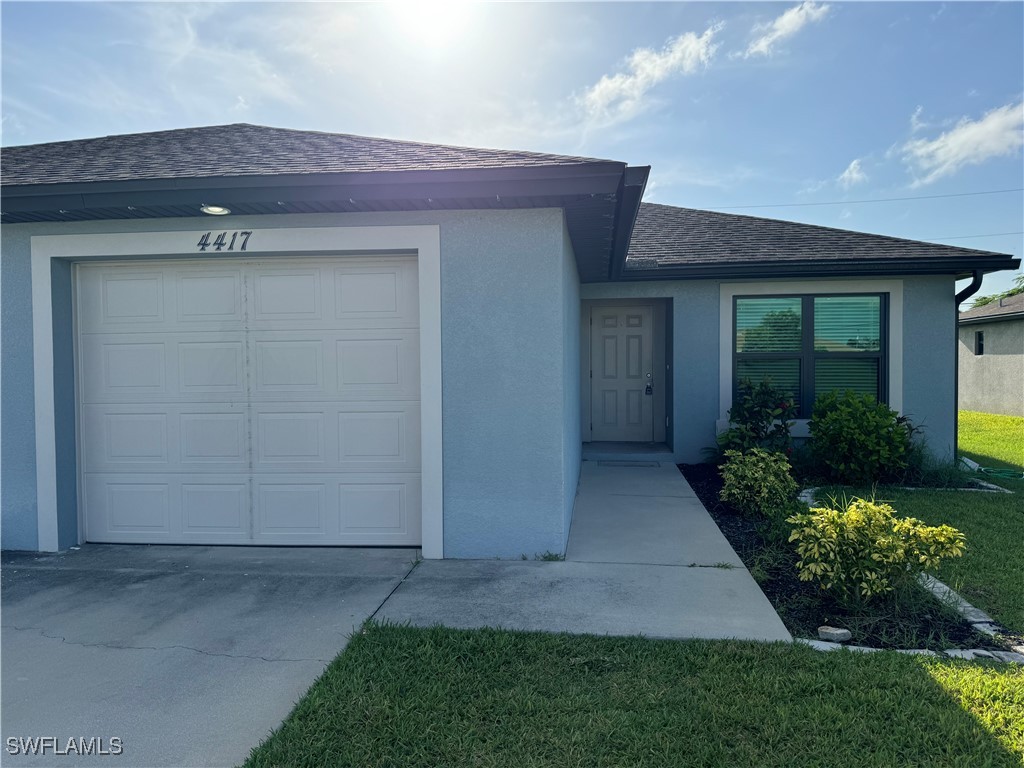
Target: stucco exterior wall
(993, 382)
(927, 360)
(17, 443)
(505, 289)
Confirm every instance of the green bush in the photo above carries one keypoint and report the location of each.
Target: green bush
(859, 550)
(858, 440)
(760, 418)
(758, 482)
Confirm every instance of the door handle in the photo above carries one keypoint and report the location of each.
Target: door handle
(649, 390)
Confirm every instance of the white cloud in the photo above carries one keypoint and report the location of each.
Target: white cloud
(971, 142)
(784, 27)
(621, 96)
(854, 174)
(916, 123)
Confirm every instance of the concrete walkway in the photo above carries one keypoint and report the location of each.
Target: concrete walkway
(644, 557)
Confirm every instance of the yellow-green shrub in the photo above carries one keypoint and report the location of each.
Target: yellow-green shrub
(757, 482)
(863, 550)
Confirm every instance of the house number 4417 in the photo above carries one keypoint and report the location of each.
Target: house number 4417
(222, 243)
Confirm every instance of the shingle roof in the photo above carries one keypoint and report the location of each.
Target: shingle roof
(246, 150)
(667, 237)
(1010, 305)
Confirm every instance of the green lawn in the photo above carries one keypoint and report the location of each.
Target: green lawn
(991, 573)
(410, 697)
(992, 440)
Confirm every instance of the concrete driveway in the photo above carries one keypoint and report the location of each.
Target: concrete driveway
(189, 655)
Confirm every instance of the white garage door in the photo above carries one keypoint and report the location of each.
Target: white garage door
(270, 401)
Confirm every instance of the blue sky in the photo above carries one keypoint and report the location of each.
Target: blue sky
(733, 104)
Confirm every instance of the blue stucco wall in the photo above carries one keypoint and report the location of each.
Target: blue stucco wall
(18, 527)
(929, 361)
(571, 436)
(929, 358)
(508, 464)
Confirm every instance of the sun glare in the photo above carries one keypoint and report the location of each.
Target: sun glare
(432, 23)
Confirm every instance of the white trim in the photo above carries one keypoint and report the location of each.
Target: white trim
(729, 291)
(290, 241)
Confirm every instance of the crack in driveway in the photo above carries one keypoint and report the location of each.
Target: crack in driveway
(113, 647)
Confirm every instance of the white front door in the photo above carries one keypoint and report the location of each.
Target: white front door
(622, 373)
(271, 401)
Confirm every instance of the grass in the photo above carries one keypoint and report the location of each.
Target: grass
(400, 696)
(992, 440)
(989, 573)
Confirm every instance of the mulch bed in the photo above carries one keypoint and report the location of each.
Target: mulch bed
(803, 606)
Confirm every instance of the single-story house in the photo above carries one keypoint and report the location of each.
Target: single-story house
(250, 335)
(992, 357)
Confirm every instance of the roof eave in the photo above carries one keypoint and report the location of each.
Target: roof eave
(1018, 315)
(832, 268)
(595, 177)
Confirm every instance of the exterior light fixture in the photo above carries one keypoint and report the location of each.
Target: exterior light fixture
(214, 210)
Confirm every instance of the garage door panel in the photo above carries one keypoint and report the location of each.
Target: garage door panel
(282, 294)
(250, 401)
(174, 437)
(122, 439)
(162, 367)
(289, 366)
(378, 365)
(290, 437)
(382, 436)
(377, 508)
(212, 298)
(134, 507)
(211, 439)
(376, 295)
(167, 508)
(210, 366)
(330, 437)
(127, 366)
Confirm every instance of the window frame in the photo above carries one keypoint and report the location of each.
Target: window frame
(808, 355)
(979, 343)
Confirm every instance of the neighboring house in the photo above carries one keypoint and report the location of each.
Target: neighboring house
(992, 357)
(248, 335)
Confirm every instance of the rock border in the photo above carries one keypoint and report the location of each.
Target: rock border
(977, 618)
(970, 654)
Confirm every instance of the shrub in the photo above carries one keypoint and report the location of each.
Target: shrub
(757, 482)
(760, 418)
(857, 439)
(860, 549)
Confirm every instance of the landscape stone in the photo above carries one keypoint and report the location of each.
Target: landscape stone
(834, 634)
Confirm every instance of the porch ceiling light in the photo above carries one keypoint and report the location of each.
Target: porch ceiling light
(214, 210)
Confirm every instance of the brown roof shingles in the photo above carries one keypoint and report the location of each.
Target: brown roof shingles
(1009, 305)
(246, 150)
(666, 236)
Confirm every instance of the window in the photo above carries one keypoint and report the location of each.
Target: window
(808, 345)
(979, 342)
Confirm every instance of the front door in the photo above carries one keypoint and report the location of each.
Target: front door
(621, 373)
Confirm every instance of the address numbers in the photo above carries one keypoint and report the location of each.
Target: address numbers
(225, 241)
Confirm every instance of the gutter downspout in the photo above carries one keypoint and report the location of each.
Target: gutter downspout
(962, 296)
